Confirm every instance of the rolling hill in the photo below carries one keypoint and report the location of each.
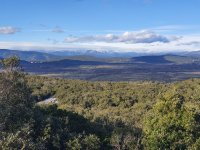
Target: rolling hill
(163, 59)
(153, 67)
(31, 56)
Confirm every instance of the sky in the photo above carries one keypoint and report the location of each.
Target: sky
(102, 25)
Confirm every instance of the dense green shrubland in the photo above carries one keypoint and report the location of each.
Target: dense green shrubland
(99, 115)
(134, 115)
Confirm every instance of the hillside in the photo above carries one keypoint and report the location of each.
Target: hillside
(35, 56)
(31, 56)
(52, 113)
(151, 59)
(126, 109)
(154, 68)
(164, 59)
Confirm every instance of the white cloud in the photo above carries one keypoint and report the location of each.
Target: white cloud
(8, 30)
(126, 37)
(142, 41)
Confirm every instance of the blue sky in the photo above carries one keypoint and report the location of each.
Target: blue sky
(119, 25)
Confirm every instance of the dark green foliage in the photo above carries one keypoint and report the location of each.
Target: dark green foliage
(123, 138)
(24, 125)
(15, 98)
(133, 115)
(96, 115)
(84, 142)
(60, 129)
(16, 107)
(172, 124)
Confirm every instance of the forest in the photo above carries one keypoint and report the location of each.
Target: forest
(143, 115)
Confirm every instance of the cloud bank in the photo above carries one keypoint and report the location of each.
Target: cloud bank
(126, 37)
(9, 30)
(146, 41)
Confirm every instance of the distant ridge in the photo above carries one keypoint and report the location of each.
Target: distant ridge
(31, 56)
(85, 55)
(151, 59)
(94, 53)
(104, 56)
(165, 59)
(193, 53)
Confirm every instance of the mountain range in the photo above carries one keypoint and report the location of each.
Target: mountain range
(42, 56)
(168, 67)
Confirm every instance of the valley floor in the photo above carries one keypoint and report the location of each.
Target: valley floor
(122, 72)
